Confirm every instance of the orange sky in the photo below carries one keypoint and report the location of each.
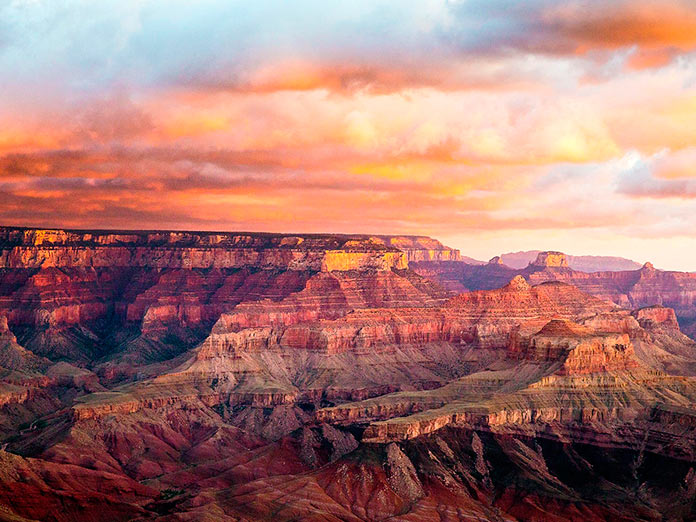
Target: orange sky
(491, 125)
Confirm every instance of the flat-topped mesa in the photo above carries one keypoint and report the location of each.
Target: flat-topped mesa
(550, 260)
(38, 248)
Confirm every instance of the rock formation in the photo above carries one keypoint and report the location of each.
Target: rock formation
(520, 260)
(230, 376)
(637, 288)
(550, 260)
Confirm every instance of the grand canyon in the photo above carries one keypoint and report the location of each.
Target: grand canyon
(157, 375)
(363, 261)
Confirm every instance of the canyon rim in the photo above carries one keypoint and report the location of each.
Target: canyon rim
(347, 261)
(238, 376)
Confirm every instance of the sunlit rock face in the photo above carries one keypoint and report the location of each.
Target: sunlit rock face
(32, 248)
(224, 376)
(550, 260)
(418, 248)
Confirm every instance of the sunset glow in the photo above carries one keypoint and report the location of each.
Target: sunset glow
(492, 125)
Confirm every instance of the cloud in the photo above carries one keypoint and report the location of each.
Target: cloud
(78, 48)
(668, 174)
(650, 25)
(655, 31)
(438, 117)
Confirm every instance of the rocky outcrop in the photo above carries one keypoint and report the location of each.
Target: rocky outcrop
(401, 474)
(639, 288)
(421, 248)
(550, 260)
(656, 316)
(322, 383)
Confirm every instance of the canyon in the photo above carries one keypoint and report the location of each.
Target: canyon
(645, 286)
(180, 376)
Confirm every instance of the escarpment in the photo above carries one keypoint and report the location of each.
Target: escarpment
(34, 248)
(632, 288)
(70, 294)
(242, 376)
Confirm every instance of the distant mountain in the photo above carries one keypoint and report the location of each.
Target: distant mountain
(582, 263)
(471, 261)
(601, 263)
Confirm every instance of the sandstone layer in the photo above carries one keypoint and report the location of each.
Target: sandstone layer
(635, 288)
(228, 376)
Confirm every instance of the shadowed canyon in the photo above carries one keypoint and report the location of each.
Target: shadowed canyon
(186, 376)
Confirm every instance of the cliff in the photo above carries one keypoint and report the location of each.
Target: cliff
(550, 260)
(420, 248)
(646, 286)
(34, 248)
(259, 376)
(67, 291)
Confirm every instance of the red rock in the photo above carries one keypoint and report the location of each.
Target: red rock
(643, 287)
(653, 316)
(248, 376)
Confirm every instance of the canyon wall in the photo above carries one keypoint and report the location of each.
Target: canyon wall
(243, 376)
(643, 287)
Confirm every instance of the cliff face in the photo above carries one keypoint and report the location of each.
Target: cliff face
(418, 248)
(31, 248)
(211, 376)
(69, 293)
(550, 260)
(639, 288)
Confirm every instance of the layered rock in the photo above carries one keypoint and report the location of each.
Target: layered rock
(337, 389)
(639, 288)
(264, 355)
(420, 248)
(592, 376)
(33, 248)
(550, 260)
(70, 294)
(261, 358)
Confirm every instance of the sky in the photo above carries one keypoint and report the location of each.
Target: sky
(492, 125)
